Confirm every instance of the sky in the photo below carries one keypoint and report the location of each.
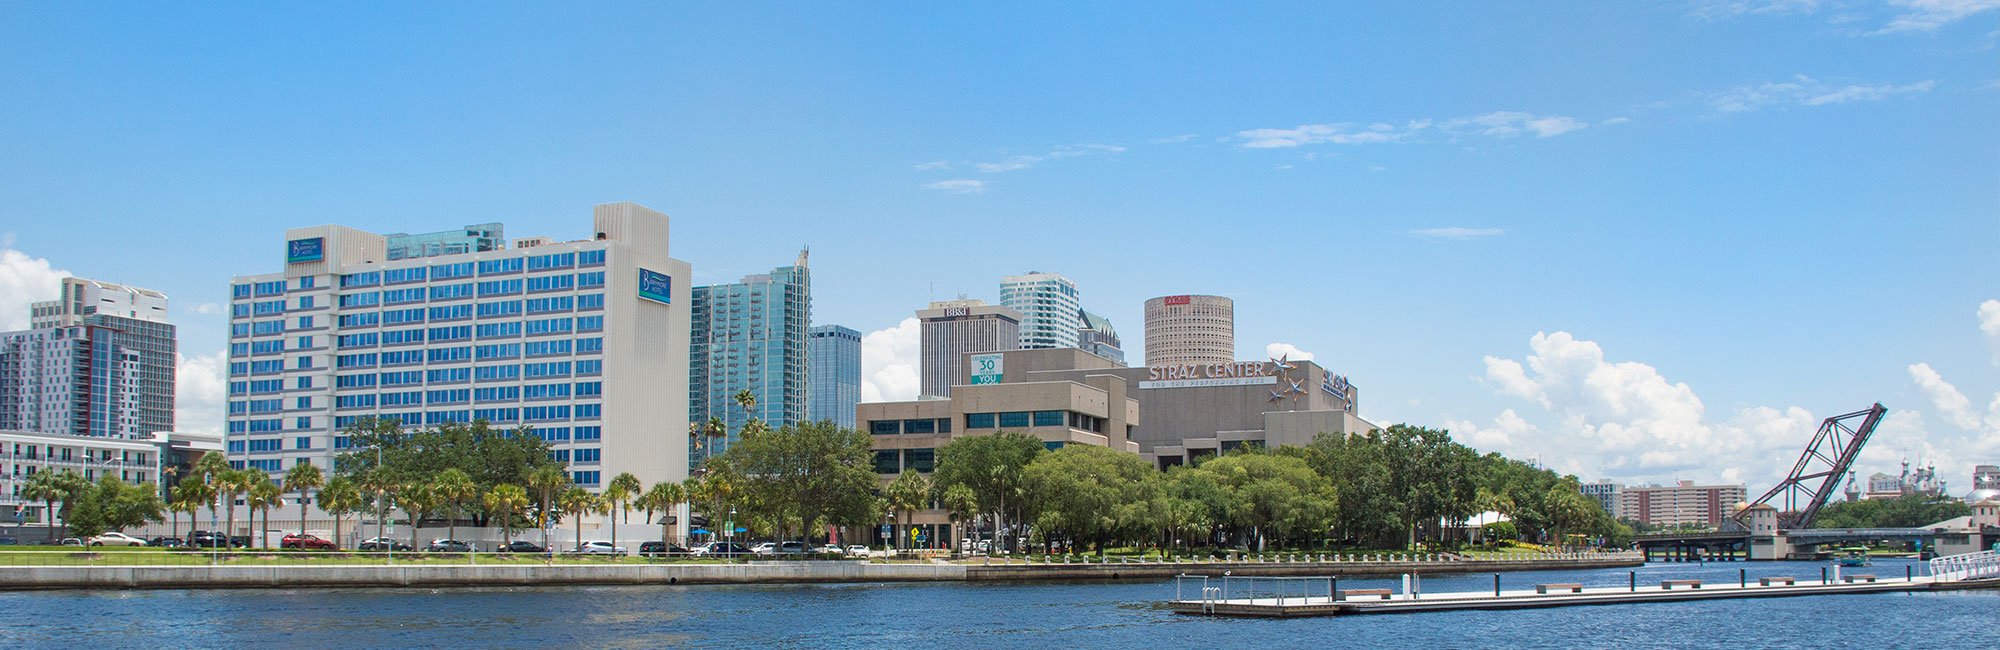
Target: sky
(1637, 241)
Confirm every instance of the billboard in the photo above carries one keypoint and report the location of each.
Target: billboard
(656, 286)
(311, 249)
(986, 369)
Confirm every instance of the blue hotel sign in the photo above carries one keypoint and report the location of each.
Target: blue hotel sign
(305, 250)
(656, 286)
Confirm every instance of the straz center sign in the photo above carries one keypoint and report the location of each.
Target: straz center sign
(1195, 375)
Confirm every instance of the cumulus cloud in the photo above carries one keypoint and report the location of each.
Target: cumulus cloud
(958, 186)
(1949, 402)
(889, 360)
(1802, 90)
(1287, 350)
(1506, 427)
(1989, 323)
(24, 279)
(200, 388)
(1928, 15)
(1458, 233)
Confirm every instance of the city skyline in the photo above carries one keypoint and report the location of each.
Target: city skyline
(1667, 259)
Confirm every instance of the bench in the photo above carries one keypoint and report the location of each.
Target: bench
(1349, 594)
(1766, 582)
(1572, 587)
(1858, 577)
(1670, 584)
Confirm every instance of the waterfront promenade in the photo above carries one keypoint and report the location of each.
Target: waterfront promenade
(81, 571)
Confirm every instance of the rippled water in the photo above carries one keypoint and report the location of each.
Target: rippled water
(1088, 615)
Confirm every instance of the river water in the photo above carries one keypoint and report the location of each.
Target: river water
(959, 615)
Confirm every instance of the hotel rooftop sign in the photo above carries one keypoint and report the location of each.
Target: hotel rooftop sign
(1195, 375)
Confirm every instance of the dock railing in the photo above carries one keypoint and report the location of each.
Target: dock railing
(1968, 566)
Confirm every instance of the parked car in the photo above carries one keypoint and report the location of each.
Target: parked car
(9, 541)
(765, 548)
(307, 542)
(70, 541)
(857, 550)
(240, 541)
(830, 549)
(383, 544)
(720, 549)
(660, 549)
(206, 539)
(597, 548)
(116, 539)
(448, 546)
(167, 542)
(518, 546)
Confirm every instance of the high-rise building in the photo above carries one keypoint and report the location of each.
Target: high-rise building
(1605, 493)
(475, 238)
(1097, 337)
(1681, 503)
(833, 374)
(749, 335)
(952, 328)
(99, 361)
(1051, 312)
(1190, 329)
(585, 341)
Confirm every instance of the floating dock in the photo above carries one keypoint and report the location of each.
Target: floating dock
(1302, 602)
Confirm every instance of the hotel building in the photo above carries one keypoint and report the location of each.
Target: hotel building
(585, 341)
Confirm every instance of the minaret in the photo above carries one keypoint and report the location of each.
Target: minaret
(1853, 493)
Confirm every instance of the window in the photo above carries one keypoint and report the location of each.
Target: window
(500, 308)
(308, 282)
(920, 426)
(406, 398)
(552, 283)
(457, 333)
(589, 388)
(589, 433)
(405, 378)
(267, 367)
(305, 302)
(551, 261)
(509, 414)
(368, 279)
(944, 425)
(354, 401)
(1052, 446)
(305, 363)
(400, 316)
(402, 357)
(509, 265)
(239, 311)
(888, 461)
(551, 304)
(451, 312)
(589, 280)
(885, 427)
(261, 328)
(587, 455)
(1048, 418)
(590, 323)
(497, 394)
(546, 412)
(305, 382)
(440, 355)
(403, 296)
(548, 369)
(272, 288)
(590, 301)
(239, 291)
(401, 276)
(394, 337)
(354, 381)
(447, 396)
(359, 320)
(357, 340)
(450, 271)
(921, 460)
(267, 347)
(496, 373)
(268, 308)
(590, 367)
(498, 351)
(364, 299)
(590, 258)
(1015, 419)
(239, 329)
(544, 391)
(589, 411)
(451, 291)
(550, 326)
(585, 478)
(546, 348)
(448, 375)
(499, 287)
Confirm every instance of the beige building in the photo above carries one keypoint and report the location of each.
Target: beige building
(1190, 329)
(952, 328)
(1681, 503)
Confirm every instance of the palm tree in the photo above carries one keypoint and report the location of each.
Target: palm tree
(907, 494)
(663, 498)
(208, 472)
(340, 496)
(453, 489)
(418, 500)
(50, 488)
(504, 502)
(228, 484)
(547, 480)
(577, 502)
(260, 493)
(618, 495)
(302, 478)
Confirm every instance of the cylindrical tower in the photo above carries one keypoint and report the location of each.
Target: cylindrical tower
(1190, 329)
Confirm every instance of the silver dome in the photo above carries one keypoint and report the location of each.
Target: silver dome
(1983, 494)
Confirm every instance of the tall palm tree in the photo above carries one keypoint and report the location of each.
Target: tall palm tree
(453, 489)
(302, 478)
(907, 494)
(340, 496)
(547, 480)
(260, 493)
(208, 472)
(418, 500)
(51, 488)
(229, 484)
(504, 502)
(618, 495)
(663, 498)
(577, 502)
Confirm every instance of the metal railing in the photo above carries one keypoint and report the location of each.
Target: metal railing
(1968, 566)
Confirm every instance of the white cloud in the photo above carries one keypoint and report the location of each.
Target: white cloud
(1012, 163)
(1507, 124)
(1174, 139)
(935, 164)
(1616, 120)
(1989, 322)
(1945, 396)
(1340, 133)
(23, 280)
(1506, 427)
(1802, 90)
(1287, 350)
(1712, 9)
(959, 186)
(889, 360)
(1458, 233)
(207, 308)
(1928, 15)
(199, 392)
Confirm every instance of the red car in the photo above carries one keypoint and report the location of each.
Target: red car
(307, 542)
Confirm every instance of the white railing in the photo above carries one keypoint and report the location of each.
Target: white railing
(1969, 566)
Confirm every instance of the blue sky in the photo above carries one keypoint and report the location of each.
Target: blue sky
(1640, 241)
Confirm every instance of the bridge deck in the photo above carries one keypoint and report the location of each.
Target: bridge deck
(1300, 606)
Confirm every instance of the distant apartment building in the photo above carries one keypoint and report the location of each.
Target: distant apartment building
(23, 454)
(1681, 503)
(1605, 493)
(749, 335)
(475, 238)
(1050, 307)
(1099, 338)
(98, 361)
(833, 374)
(952, 328)
(584, 341)
(1190, 329)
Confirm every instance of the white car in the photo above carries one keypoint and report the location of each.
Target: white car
(766, 548)
(116, 539)
(858, 550)
(598, 548)
(828, 550)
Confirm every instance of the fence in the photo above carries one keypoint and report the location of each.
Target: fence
(1969, 566)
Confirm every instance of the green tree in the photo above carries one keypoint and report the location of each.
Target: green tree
(907, 494)
(665, 497)
(1272, 495)
(419, 501)
(548, 481)
(260, 493)
(577, 502)
(505, 503)
(1092, 494)
(453, 490)
(618, 495)
(228, 485)
(302, 478)
(188, 497)
(340, 497)
(994, 468)
(807, 473)
(52, 488)
(961, 503)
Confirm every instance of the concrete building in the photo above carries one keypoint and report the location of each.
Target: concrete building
(179, 450)
(1605, 493)
(76, 380)
(475, 238)
(1979, 531)
(24, 454)
(1681, 503)
(1190, 329)
(585, 341)
(1099, 338)
(953, 328)
(749, 335)
(129, 318)
(1051, 310)
(833, 374)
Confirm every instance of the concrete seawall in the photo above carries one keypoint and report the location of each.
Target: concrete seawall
(293, 577)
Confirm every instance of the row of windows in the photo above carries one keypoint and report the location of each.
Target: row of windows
(894, 427)
(892, 461)
(1015, 419)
